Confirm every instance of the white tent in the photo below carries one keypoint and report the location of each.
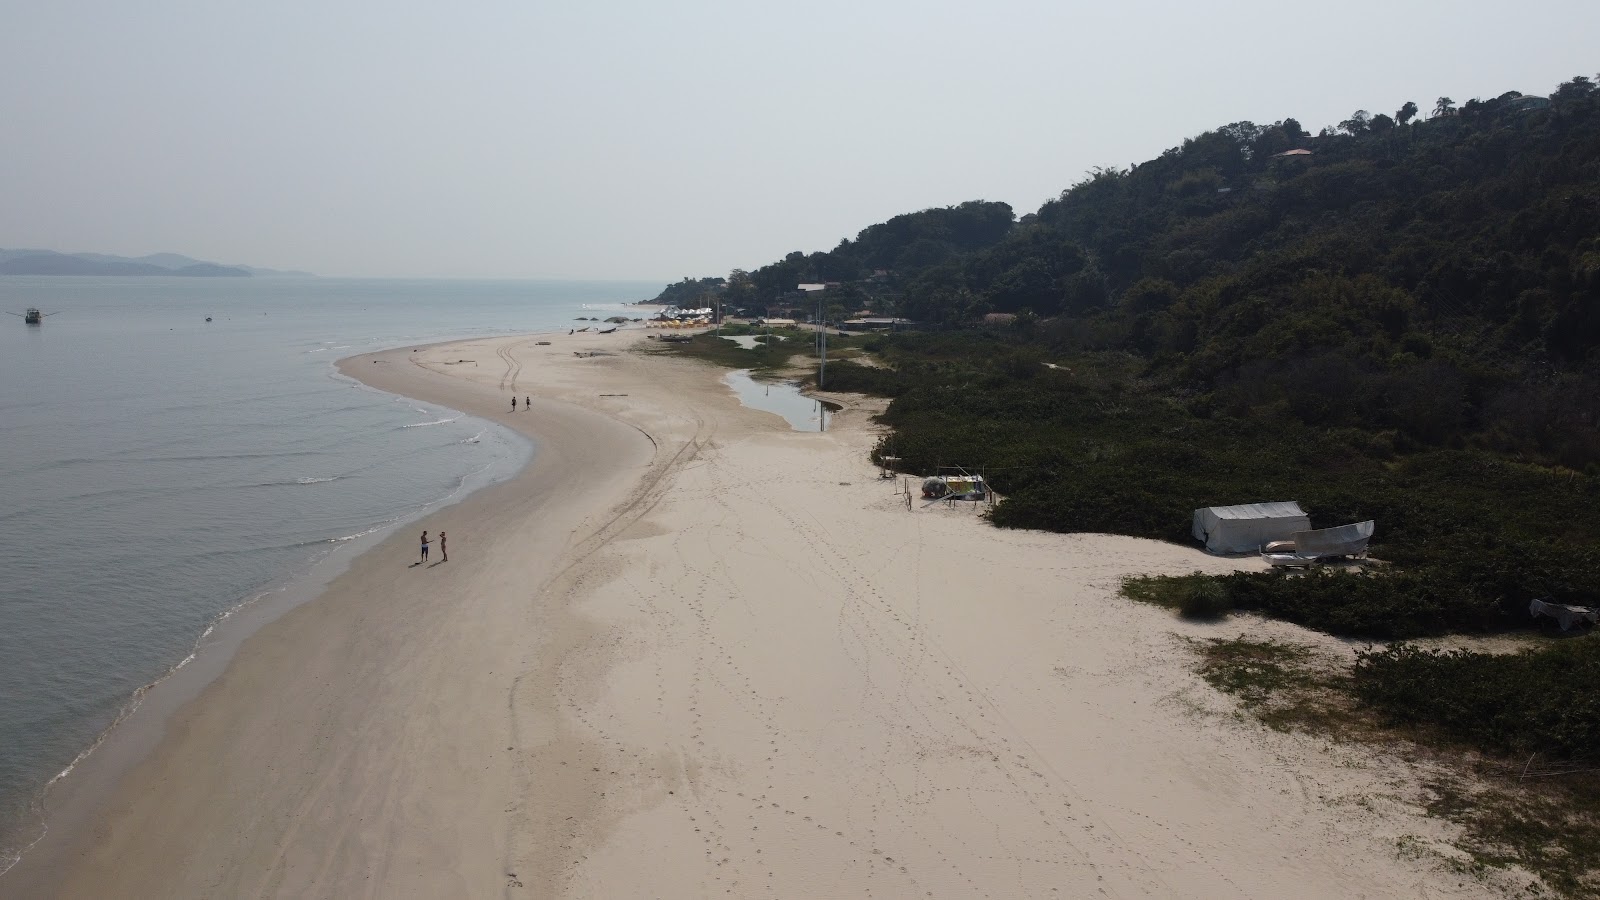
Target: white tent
(1244, 528)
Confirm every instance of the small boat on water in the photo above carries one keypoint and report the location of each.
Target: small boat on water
(33, 316)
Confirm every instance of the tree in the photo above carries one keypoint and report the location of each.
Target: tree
(1380, 122)
(1358, 122)
(1406, 113)
(1445, 107)
(1580, 86)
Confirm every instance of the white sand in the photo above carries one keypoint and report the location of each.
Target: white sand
(694, 653)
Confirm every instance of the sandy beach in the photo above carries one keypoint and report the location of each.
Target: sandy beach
(692, 652)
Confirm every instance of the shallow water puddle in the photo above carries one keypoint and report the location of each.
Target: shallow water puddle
(749, 341)
(783, 398)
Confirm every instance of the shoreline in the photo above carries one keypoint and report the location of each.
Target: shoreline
(689, 628)
(75, 793)
(99, 776)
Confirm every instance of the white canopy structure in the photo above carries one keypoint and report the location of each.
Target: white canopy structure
(1244, 528)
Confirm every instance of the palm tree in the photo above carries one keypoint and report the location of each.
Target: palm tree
(1445, 107)
(1406, 113)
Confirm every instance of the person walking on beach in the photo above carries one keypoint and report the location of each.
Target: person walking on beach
(527, 404)
(444, 552)
(513, 404)
(424, 548)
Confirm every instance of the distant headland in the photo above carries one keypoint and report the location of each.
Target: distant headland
(51, 262)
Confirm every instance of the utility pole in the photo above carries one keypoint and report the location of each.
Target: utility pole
(822, 344)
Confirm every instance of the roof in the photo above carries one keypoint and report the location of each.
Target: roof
(1282, 509)
(1300, 152)
(812, 286)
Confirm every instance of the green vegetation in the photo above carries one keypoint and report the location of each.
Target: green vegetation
(1472, 536)
(1386, 605)
(1543, 701)
(1194, 596)
(690, 292)
(779, 351)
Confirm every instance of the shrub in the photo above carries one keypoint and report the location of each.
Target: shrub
(1539, 700)
(1204, 599)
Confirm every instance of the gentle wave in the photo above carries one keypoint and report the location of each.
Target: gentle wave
(360, 534)
(298, 482)
(436, 422)
(204, 457)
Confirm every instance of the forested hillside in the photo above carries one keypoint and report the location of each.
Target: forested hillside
(1434, 280)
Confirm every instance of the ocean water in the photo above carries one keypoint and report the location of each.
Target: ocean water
(158, 471)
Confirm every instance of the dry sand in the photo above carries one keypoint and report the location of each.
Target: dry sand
(691, 652)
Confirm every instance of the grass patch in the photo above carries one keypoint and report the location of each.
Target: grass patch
(1528, 820)
(784, 346)
(1196, 596)
(709, 348)
(1282, 684)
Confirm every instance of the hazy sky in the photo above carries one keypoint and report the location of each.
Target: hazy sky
(656, 140)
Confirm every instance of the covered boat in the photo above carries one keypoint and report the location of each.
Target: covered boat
(1307, 547)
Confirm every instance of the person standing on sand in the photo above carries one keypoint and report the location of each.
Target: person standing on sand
(527, 404)
(444, 552)
(513, 404)
(424, 548)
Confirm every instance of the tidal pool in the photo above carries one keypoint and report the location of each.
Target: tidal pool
(748, 341)
(780, 397)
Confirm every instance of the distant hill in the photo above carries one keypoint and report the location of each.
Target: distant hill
(51, 262)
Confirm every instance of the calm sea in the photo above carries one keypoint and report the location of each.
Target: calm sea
(158, 471)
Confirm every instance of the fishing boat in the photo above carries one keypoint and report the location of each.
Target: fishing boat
(33, 316)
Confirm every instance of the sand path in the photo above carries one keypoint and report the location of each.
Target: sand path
(694, 653)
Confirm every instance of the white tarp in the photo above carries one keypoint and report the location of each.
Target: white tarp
(1244, 528)
(1345, 540)
(1566, 616)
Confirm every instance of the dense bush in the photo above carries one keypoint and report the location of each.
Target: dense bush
(1536, 701)
(852, 378)
(1383, 606)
